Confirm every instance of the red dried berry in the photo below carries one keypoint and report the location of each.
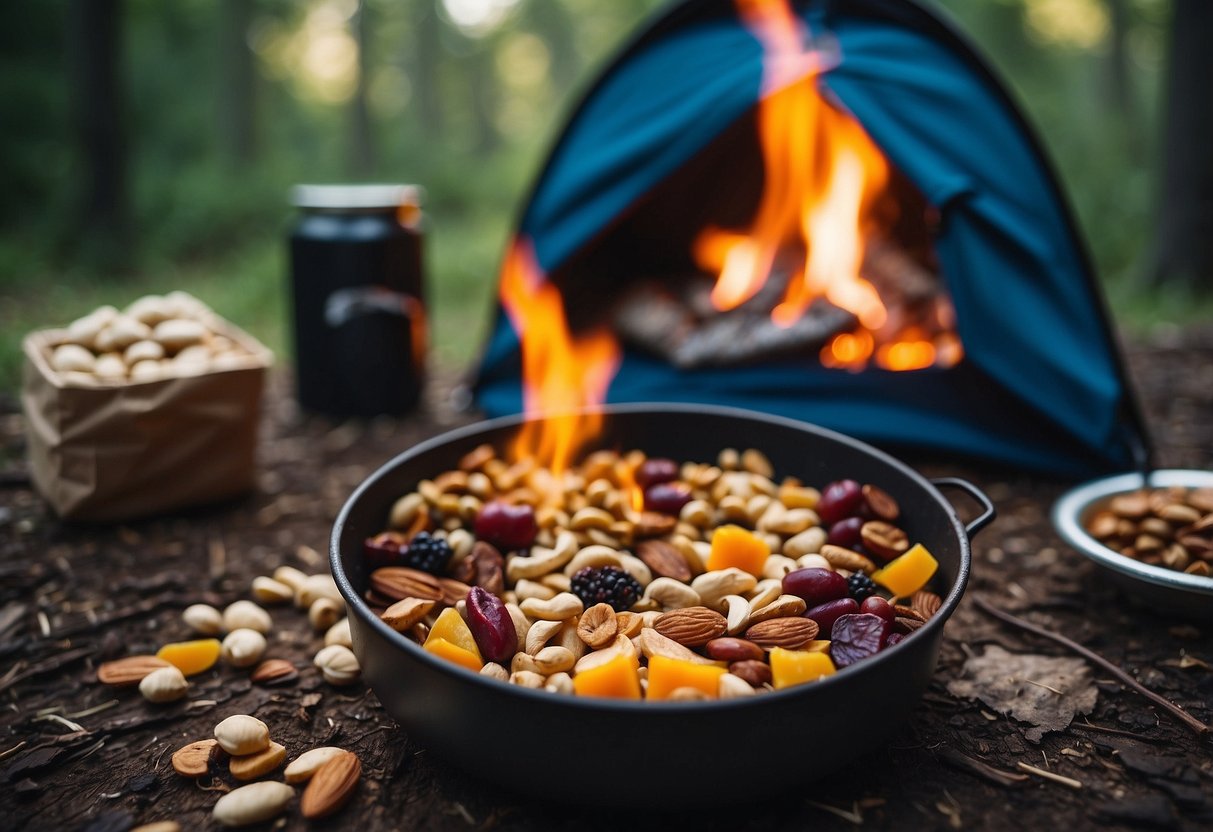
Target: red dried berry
(491, 626)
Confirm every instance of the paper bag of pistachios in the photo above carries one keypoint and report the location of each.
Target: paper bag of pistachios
(142, 411)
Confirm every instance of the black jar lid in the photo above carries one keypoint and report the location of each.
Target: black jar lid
(349, 198)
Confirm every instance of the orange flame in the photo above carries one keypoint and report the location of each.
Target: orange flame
(824, 177)
(562, 374)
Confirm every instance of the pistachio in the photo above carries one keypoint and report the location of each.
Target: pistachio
(165, 684)
(242, 734)
(339, 633)
(324, 613)
(246, 615)
(243, 647)
(269, 591)
(203, 619)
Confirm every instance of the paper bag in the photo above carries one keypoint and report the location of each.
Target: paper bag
(111, 453)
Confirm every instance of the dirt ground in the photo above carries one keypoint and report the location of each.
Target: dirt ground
(75, 754)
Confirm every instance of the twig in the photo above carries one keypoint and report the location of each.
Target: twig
(1179, 713)
(1048, 775)
(964, 762)
(1117, 731)
(1046, 687)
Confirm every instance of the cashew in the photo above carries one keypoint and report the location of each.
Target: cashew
(565, 605)
(591, 517)
(697, 513)
(593, 556)
(557, 581)
(764, 592)
(672, 594)
(794, 521)
(784, 606)
(539, 634)
(533, 589)
(808, 542)
(733, 687)
(543, 561)
(560, 683)
(653, 643)
(738, 614)
(521, 623)
(495, 671)
(813, 561)
(528, 679)
(404, 510)
(733, 508)
(777, 566)
(569, 640)
(756, 462)
(714, 586)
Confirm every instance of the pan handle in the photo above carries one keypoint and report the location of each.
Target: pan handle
(987, 514)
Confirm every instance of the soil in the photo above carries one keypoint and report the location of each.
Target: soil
(75, 754)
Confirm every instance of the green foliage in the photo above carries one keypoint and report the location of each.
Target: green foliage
(466, 113)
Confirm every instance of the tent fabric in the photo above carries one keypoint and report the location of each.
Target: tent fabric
(1041, 385)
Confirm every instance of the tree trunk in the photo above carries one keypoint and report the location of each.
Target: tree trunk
(1119, 82)
(1183, 252)
(94, 41)
(362, 143)
(238, 96)
(426, 62)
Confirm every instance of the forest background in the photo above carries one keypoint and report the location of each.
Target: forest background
(147, 146)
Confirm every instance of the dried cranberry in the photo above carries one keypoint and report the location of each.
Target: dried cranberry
(385, 549)
(667, 497)
(838, 500)
(506, 525)
(894, 638)
(875, 605)
(815, 586)
(826, 614)
(491, 626)
(846, 532)
(856, 637)
(653, 471)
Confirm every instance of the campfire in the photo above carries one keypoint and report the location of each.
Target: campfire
(804, 209)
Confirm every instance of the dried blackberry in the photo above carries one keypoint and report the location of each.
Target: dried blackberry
(861, 586)
(428, 553)
(606, 585)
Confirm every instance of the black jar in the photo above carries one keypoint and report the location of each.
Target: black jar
(358, 299)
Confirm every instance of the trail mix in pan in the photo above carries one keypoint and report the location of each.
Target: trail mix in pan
(635, 577)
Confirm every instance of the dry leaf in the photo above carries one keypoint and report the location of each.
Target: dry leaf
(1044, 691)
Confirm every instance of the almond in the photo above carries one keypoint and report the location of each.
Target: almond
(692, 626)
(399, 582)
(331, 786)
(252, 803)
(789, 633)
(274, 672)
(128, 671)
(309, 762)
(654, 524)
(252, 766)
(403, 614)
(597, 626)
(194, 760)
(453, 591)
(664, 559)
(242, 734)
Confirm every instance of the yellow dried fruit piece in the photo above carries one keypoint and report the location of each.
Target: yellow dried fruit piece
(667, 675)
(191, 657)
(795, 667)
(735, 546)
(817, 646)
(908, 573)
(451, 627)
(615, 679)
(454, 653)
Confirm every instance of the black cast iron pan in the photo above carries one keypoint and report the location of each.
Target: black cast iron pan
(537, 742)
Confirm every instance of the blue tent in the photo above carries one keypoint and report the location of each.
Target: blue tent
(1041, 386)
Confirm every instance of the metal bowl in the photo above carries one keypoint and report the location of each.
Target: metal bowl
(541, 744)
(1164, 590)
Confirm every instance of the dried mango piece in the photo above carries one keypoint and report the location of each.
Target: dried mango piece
(734, 546)
(451, 627)
(616, 679)
(795, 667)
(454, 653)
(667, 675)
(908, 573)
(191, 657)
(817, 646)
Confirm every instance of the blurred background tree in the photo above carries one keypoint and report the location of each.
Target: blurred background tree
(149, 146)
